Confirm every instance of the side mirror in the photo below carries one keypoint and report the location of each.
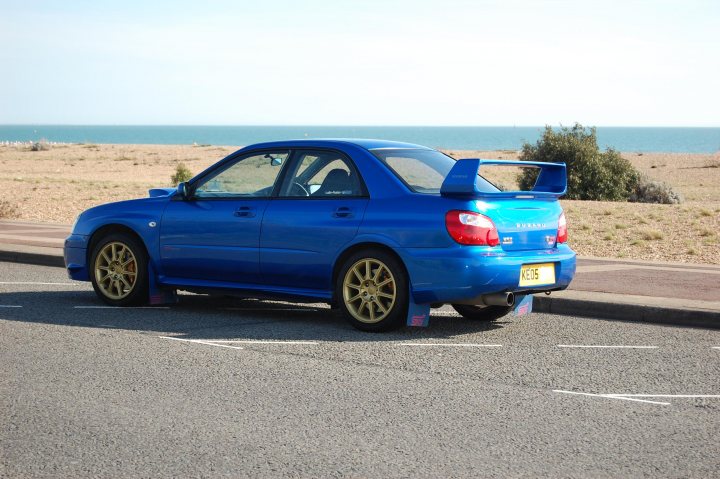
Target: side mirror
(183, 191)
(273, 160)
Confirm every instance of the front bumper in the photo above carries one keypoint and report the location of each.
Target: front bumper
(75, 253)
(460, 274)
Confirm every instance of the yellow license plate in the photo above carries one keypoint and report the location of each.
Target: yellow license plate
(537, 274)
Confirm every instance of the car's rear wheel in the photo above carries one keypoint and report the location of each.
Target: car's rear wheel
(119, 270)
(372, 291)
(482, 313)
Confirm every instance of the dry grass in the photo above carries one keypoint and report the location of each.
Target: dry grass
(55, 185)
(650, 235)
(7, 210)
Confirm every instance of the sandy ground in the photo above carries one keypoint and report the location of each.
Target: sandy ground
(57, 184)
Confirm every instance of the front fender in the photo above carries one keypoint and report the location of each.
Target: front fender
(141, 216)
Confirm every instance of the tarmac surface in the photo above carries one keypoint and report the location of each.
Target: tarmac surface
(672, 293)
(218, 387)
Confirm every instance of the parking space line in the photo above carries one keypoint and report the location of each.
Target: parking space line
(199, 341)
(10, 306)
(597, 346)
(707, 396)
(121, 307)
(254, 310)
(610, 396)
(41, 283)
(258, 341)
(461, 345)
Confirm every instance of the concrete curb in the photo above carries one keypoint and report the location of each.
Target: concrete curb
(623, 311)
(32, 255)
(577, 303)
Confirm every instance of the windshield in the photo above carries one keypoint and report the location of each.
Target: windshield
(423, 171)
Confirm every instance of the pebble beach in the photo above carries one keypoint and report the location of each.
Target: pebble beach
(55, 184)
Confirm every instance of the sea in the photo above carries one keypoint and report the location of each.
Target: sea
(627, 139)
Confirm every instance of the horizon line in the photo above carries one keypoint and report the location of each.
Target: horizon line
(350, 125)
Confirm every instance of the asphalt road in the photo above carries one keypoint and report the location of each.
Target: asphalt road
(258, 389)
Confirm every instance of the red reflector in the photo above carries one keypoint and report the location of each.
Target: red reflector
(562, 233)
(467, 227)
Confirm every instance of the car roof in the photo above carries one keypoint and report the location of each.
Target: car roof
(368, 144)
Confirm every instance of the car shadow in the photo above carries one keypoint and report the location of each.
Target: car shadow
(216, 317)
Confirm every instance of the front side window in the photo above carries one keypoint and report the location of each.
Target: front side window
(321, 174)
(252, 176)
(423, 171)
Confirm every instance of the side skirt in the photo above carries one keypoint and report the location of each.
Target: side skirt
(301, 295)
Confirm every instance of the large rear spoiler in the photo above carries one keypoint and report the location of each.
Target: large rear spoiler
(461, 181)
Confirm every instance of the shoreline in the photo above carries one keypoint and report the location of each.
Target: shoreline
(56, 184)
(646, 139)
(29, 144)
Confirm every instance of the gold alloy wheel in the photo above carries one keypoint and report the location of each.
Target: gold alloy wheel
(116, 270)
(369, 290)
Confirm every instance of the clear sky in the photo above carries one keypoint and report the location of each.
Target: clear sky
(370, 62)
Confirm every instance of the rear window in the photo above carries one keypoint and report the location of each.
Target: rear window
(423, 171)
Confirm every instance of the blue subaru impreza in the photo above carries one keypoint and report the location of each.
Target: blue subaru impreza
(382, 230)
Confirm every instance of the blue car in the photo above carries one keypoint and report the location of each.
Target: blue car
(381, 230)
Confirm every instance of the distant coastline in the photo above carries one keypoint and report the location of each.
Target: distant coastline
(627, 139)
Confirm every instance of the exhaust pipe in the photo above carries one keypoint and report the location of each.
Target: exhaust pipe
(498, 299)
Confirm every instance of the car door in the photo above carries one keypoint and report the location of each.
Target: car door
(318, 210)
(214, 234)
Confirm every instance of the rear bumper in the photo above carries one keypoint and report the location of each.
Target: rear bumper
(462, 273)
(75, 253)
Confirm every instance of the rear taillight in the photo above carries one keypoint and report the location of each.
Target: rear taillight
(562, 234)
(470, 228)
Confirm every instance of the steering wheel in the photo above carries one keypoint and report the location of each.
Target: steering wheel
(295, 186)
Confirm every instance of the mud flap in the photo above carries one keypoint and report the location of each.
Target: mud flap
(418, 314)
(523, 305)
(158, 295)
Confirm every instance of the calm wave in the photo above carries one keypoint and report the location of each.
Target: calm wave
(692, 140)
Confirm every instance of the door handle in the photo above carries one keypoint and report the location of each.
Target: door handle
(343, 212)
(245, 212)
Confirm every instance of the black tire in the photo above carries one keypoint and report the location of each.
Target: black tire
(482, 313)
(137, 293)
(396, 309)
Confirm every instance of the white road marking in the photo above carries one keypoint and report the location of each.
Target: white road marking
(462, 345)
(9, 306)
(715, 347)
(609, 396)
(636, 397)
(665, 395)
(267, 309)
(41, 283)
(198, 341)
(121, 307)
(604, 347)
(253, 341)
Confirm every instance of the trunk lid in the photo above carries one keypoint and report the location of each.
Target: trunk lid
(524, 224)
(525, 220)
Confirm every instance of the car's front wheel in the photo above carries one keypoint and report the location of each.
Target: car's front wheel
(372, 291)
(482, 313)
(119, 270)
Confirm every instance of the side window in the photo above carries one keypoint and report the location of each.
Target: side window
(416, 173)
(322, 175)
(252, 176)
